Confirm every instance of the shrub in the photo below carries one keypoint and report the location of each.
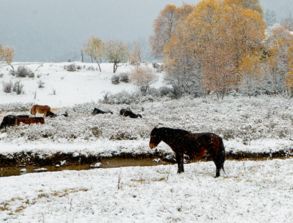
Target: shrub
(41, 84)
(18, 88)
(142, 77)
(115, 79)
(7, 87)
(124, 77)
(70, 68)
(23, 71)
(166, 91)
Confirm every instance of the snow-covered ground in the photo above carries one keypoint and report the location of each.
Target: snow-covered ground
(254, 124)
(63, 88)
(250, 192)
(261, 124)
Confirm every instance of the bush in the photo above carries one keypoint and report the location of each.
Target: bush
(7, 87)
(115, 79)
(124, 77)
(41, 84)
(18, 88)
(142, 77)
(71, 68)
(23, 71)
(1, 75)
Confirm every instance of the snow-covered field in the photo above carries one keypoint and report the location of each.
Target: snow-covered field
(254, 124)
(250, 192)
(63, 88)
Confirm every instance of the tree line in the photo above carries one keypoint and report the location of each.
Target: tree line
(218, 46)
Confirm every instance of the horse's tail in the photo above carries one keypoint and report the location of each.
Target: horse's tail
(222, 154)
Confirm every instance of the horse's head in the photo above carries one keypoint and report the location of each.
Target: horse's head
(155, 138)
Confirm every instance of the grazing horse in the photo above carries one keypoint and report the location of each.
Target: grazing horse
(29, 120)
(97, 111)
(129, 113)
(51, 114)
(195, 145)
(41, 109)
(10, 120)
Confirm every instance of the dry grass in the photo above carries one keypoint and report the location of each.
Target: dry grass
(12, 207)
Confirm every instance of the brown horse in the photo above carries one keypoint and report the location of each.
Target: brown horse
(29, 120)
(41, 109)
(195, 145)
(10, 120)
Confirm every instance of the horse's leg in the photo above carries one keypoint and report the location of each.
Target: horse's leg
(179, 159)
(219, 160)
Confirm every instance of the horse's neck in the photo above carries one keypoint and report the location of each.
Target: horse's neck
(167, 136)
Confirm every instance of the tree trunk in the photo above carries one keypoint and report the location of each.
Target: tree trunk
(115, 67)
(99, 65)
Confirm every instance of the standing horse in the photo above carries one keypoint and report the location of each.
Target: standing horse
(195, 145)
(41, 109)
(10, 120)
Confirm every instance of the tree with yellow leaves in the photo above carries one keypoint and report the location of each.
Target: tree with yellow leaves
(223, 34)
(7, 55)
(289, 77)
(95, 49)
(278, 45)
(165, 26)
(249, 4)
(216, 36)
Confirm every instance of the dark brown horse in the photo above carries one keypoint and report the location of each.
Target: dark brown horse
(29, 120)
(97, 111)
(195, 145)
(9, 120)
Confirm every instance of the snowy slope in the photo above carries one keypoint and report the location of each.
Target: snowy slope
(63, 88)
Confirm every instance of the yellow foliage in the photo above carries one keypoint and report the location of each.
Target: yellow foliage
(224, 35)
(289, 78)
(94, 48)
(6, 54)
(165, 26)
(249, 4)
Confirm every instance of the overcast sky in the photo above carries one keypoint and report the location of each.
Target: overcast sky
(55, 30)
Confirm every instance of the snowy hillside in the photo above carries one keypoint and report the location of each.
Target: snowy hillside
(64, 88)
(257, 124)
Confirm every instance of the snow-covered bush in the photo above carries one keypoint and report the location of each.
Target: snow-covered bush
(166, 91)
(142, 77)
(124, 77)
(7, 86)
(72, 67)
(18, 88)
(41, 84)
(23, 71)
(115, 79)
